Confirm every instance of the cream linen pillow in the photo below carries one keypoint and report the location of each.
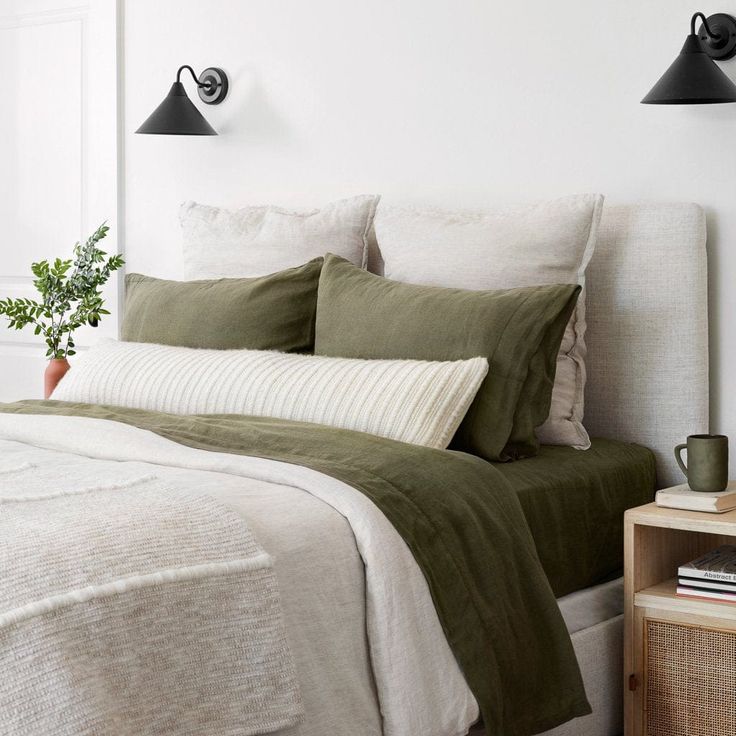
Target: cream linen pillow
(419, 402)
(546, 243)
(256, 241)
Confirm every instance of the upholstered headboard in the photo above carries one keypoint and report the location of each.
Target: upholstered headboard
(647, 315)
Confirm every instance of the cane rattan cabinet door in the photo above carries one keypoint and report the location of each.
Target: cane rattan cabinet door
(689, 679)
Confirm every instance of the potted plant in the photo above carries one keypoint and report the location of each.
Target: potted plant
(70, 297)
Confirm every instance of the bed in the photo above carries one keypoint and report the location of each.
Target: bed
(369, 652)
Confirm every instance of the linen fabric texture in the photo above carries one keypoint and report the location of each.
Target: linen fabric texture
(133, 605)
(545, 243)
(362, 315)
(648, 342)
(574, 504)
(419, 402)
(274, 312)
(258, 240)
(464, 527)
(306, 521)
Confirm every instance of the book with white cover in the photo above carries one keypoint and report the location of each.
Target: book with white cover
(718, 564)
(682, 497)
(706, 595)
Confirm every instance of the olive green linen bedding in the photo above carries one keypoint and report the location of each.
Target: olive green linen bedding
(466, 529)
(574, 503)
(274, 312)
(361, 315)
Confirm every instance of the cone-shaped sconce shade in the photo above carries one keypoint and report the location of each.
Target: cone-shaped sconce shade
(692, 79)
(177, 115)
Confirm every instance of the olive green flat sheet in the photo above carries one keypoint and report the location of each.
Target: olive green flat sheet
(465, 526)
(574, 503)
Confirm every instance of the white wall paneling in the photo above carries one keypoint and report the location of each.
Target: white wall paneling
(58, 154)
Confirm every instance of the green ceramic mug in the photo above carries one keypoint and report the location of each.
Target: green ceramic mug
(707, 462)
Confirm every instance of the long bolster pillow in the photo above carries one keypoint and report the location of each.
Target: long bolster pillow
(420, 402)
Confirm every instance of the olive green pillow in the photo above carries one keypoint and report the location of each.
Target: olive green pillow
(273, 312)
(361, 315)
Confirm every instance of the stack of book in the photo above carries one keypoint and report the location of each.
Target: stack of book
(712, 576)
(682, 497)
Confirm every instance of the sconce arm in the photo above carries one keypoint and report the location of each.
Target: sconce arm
(194, 77)
(708, 30)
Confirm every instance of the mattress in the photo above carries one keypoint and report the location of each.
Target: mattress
(574, 502)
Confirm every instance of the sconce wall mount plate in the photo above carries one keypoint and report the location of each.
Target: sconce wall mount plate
(212, 86)
(721, 45)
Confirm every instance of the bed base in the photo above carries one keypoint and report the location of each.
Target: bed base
(599, 650)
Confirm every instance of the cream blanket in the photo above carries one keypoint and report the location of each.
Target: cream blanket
(344, 573)
(132, 606)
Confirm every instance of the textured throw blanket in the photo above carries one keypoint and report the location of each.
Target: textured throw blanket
(465, 528)
(129, 606)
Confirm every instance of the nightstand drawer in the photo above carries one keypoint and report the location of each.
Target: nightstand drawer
(689, 676)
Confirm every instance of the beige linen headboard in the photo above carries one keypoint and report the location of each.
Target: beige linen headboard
(647, 315)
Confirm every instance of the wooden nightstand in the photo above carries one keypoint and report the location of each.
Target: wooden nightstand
(679, 654)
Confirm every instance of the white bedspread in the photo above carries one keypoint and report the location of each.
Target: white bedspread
(370, 654)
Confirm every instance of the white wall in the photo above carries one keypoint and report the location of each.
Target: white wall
(58, 156)
(463, 102)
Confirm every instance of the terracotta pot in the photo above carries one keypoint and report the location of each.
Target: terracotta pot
(55, 371)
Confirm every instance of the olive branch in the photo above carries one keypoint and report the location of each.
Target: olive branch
(70, 293)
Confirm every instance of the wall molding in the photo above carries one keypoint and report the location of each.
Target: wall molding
(78, 14)
(23, 354)
(43, 17)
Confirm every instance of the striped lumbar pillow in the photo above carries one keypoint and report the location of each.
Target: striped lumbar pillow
(421, 402)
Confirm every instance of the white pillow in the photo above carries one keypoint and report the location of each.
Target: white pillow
(256, 241)
(547, 243)
(412, 401)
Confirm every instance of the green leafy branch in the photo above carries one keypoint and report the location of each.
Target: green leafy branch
(71, 296)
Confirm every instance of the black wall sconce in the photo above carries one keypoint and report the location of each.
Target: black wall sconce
(177, 114)
(693, 77)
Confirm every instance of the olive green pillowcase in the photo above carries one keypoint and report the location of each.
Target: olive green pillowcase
(361, 315)
(275, 312)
